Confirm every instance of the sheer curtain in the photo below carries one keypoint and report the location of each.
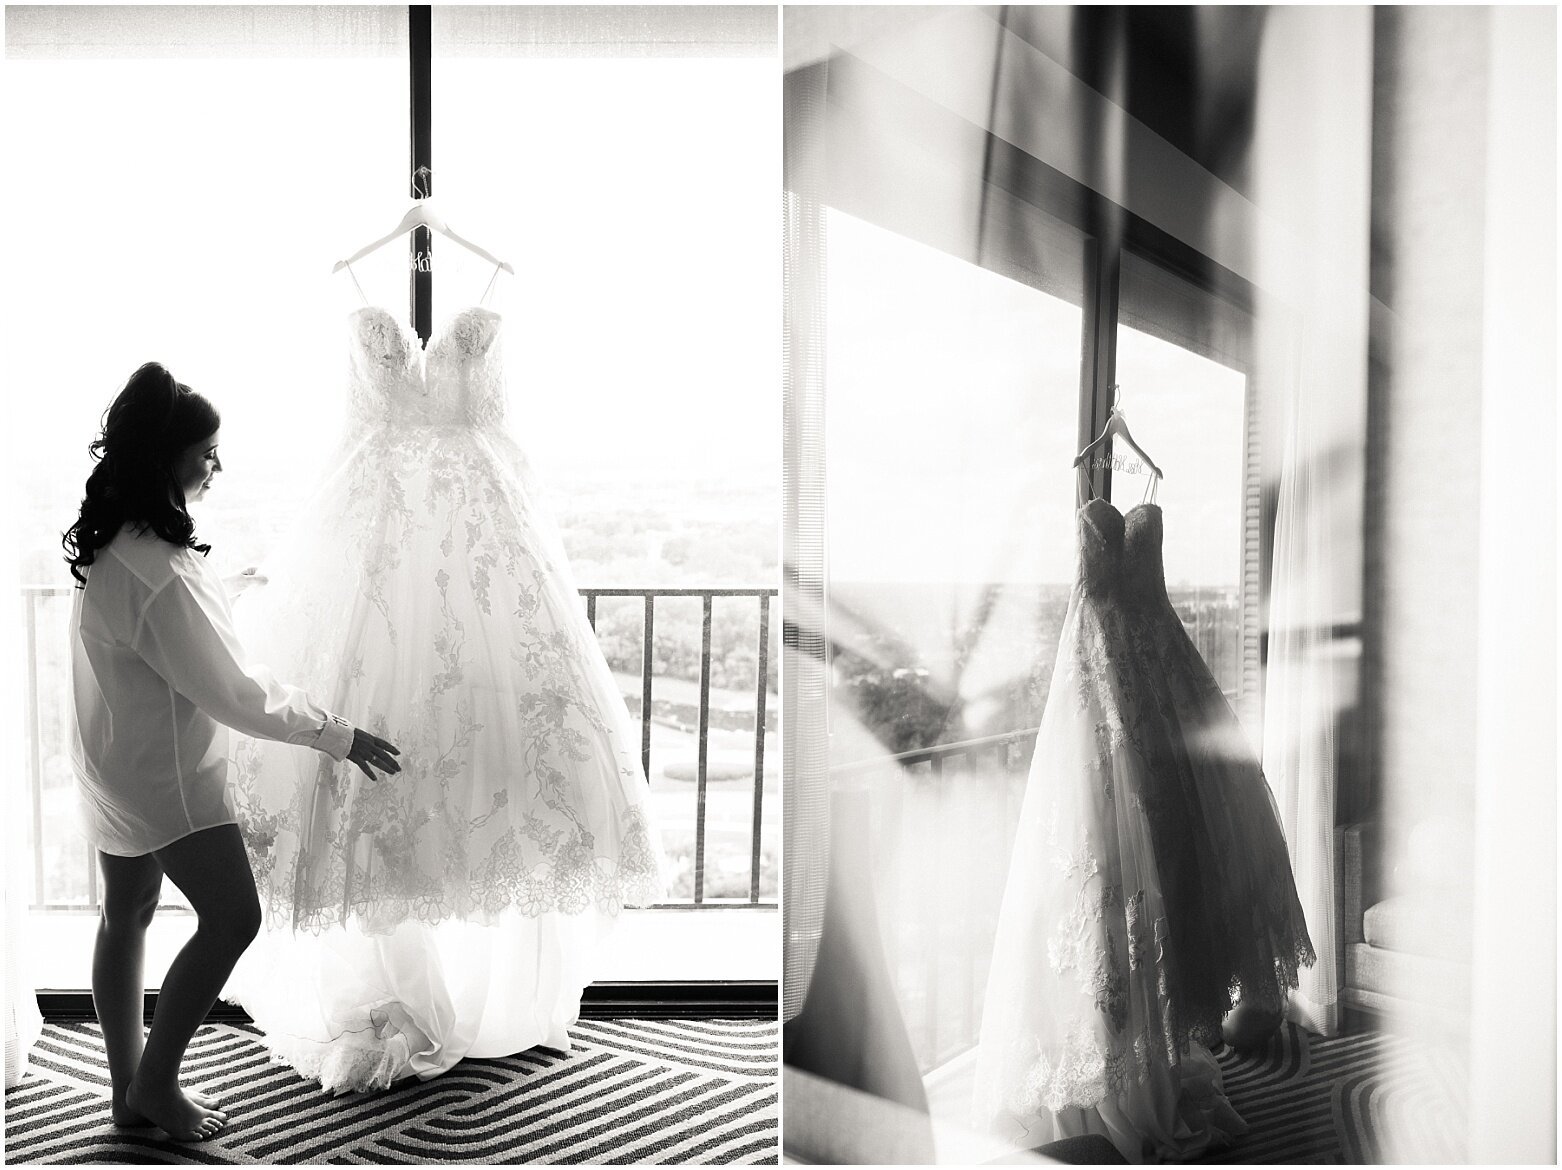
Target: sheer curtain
(806, 821)
(843, 1021)
(1311, 168)
(1300, 709)
(23, 1023)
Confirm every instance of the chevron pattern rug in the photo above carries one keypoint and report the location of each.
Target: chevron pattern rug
(1368, 1097)
(629, 1091)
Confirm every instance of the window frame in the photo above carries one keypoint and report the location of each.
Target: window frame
(1111, 231)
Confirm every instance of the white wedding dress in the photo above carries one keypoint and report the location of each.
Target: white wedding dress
(1150, 881)
(450, 910)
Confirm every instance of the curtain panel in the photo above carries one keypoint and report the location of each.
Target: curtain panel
(1312, 180)
(805, 677)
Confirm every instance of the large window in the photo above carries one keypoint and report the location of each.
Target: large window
(952, 421)
(189, 178)
(960, 384)
(951, 425)
(1183, 356)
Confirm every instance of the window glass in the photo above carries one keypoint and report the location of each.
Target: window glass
(951, 407)
(636, 199)
(1184, 392)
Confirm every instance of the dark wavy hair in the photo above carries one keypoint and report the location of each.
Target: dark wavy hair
(145, 428)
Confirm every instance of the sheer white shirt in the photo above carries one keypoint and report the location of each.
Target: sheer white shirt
(158, 677)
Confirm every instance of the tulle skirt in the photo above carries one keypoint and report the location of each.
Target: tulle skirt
(1146, 887)
(450, 909)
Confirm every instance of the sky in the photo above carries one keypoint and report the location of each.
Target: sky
(951, 420)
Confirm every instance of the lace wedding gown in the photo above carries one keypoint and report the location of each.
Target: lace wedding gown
(449, 910)
(1150, 880)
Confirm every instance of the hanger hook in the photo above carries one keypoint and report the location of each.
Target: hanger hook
(1116, 389)
(422, 180)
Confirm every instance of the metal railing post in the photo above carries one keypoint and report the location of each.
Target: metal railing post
(703, 750)
(36, 748)
(760, 691)
(645, 687)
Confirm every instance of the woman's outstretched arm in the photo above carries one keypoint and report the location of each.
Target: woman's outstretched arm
(186, 635)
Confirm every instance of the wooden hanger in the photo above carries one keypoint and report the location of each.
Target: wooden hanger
(422, 214)
(1118, 428)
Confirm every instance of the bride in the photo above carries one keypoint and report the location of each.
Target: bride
(450, 911)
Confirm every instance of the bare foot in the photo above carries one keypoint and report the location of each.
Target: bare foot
(124, 1115)
(206, 1101)
(176, 1113)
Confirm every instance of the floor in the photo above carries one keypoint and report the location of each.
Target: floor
(629, 1091)
(1368, 1096)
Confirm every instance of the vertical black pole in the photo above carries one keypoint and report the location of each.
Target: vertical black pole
(1098, 40)
(421, 282)
(1102, 358)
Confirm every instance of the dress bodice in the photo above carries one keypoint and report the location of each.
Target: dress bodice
(1120, 553)
(1144, 574)
(1100, 547)
(456, 381)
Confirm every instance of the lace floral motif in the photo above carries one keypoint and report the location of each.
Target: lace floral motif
(1138, 945)
(431, 598)
(1081, 1074)
(1165, 887)
(457, 380)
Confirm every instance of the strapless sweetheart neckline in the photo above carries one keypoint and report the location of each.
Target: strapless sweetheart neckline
(440, 333)
(1115, 508)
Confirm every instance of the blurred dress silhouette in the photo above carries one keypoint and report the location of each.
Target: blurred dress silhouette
(450, 910)
(1149, 882)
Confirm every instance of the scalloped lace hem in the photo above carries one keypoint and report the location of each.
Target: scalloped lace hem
(484, 906)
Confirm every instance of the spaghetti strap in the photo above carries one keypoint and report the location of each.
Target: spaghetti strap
(358, 286)
(490, 287)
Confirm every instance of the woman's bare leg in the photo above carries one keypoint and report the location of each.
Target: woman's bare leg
(130, 887)
(210, 868)
(130, 890)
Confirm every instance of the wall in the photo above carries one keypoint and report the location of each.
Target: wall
(1424, 423)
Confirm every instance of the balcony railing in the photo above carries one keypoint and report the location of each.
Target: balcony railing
(46, 609)
(707, 598)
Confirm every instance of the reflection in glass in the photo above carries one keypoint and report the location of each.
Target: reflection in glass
(1182, 373)
(951, 412)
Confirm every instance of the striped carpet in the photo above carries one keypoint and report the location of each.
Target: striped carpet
(629, 1091)
(1369, 1097)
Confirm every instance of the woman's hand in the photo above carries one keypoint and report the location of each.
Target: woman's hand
(369, 749)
